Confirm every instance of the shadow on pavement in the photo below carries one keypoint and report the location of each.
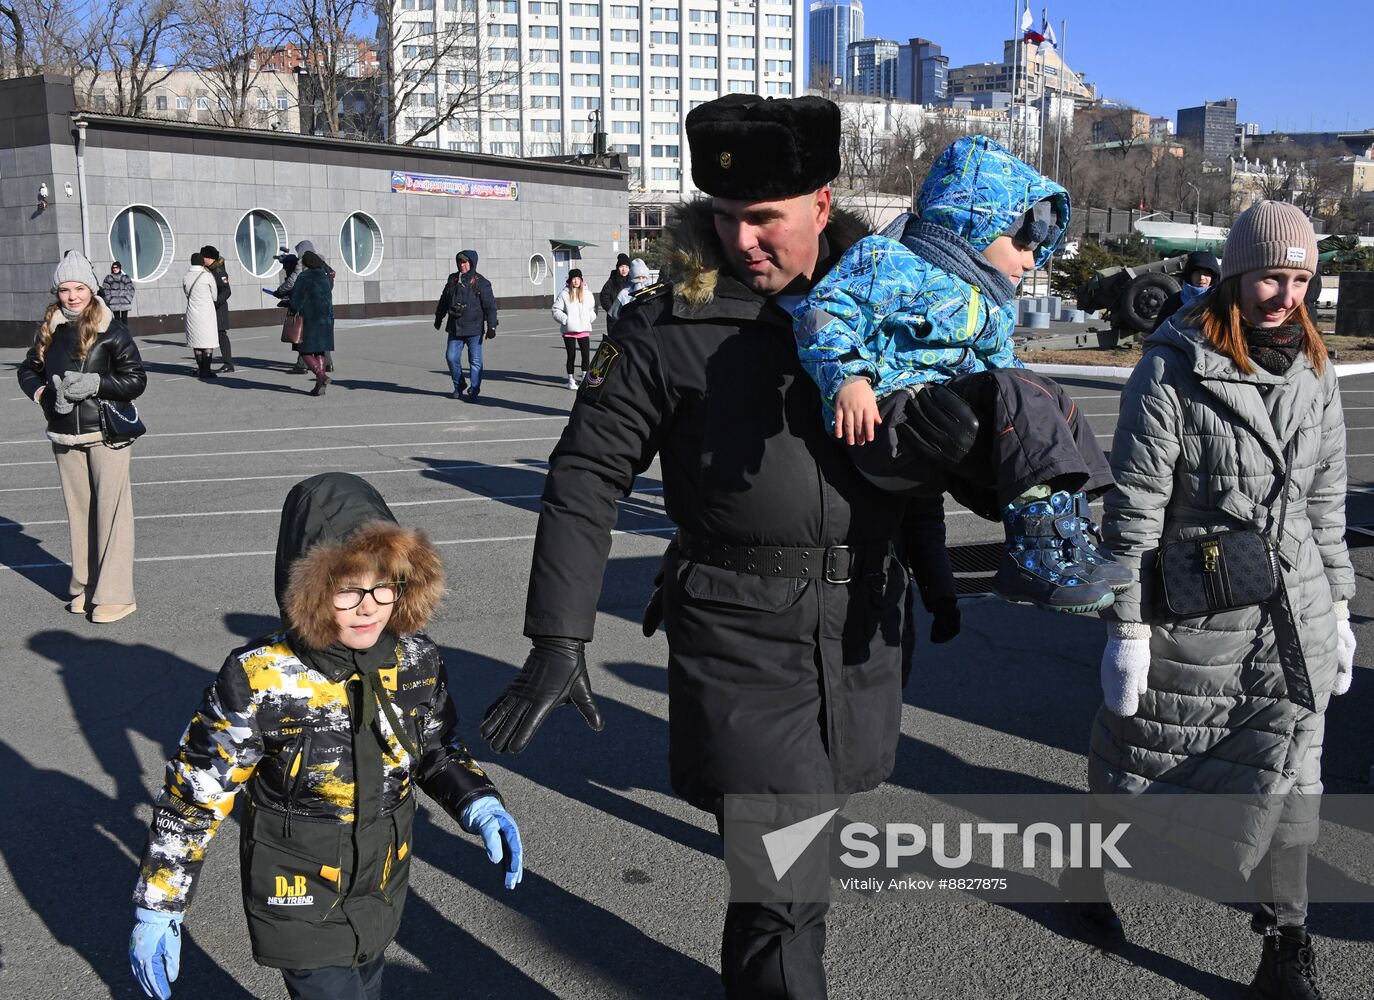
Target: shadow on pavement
(26, 555)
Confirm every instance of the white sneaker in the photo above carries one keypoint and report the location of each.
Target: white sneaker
(572, 382)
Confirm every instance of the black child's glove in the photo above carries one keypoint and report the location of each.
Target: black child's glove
(555, 673)
(946, 622)
(938, 425)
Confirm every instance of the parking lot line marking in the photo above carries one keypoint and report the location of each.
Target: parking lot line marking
(313, 450)
(272, 552)
(277, 510)
(326, 427)
(534, 463)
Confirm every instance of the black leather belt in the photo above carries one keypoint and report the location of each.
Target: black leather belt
(831, 563)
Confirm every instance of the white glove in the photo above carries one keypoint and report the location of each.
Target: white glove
(1125, 672)
(1345, 649)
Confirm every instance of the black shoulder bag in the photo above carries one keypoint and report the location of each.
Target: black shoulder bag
(120, 424)
(1238, 568)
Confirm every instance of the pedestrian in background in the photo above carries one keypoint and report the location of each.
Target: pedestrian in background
(82, 354)
(467, 310)
(575, 311)
(616, 283)
(639, 278)
(312, 298)
(1232, 419)
(214, 263)
(118, 292)
(201, 326)
(302, 248)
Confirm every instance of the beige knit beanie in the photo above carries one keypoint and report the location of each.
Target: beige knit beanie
(1269, 234)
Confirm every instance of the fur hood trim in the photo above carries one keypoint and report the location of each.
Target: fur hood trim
(378, 547)
(694, 256)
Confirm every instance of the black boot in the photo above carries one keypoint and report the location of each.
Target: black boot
(320, 383)
(203, 367)
(1091, 915)
(1288, 967)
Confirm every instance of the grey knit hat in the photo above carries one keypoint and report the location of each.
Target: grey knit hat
(1269, 234)
(75, 267)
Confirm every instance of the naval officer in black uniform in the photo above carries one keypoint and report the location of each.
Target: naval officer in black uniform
(781, 596)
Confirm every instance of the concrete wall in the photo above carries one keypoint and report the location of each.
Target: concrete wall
(203, 181)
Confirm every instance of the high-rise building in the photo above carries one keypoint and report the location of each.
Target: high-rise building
(542, 77)
(831, 25)
(1212, 126)
(872, 68)
(1027, 73)
(922, 72)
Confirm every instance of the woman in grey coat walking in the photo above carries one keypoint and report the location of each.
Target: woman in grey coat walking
(1231, 390)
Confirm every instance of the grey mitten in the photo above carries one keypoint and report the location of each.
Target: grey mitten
(77, 386)
(60, 402)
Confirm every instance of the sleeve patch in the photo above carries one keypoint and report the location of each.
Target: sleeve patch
(607, 354)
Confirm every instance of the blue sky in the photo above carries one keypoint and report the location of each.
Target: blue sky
(1297, 66)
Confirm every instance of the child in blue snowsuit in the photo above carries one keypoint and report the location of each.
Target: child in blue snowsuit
(914, 334)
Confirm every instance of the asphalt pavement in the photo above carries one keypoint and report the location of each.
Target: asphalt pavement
(623, 896)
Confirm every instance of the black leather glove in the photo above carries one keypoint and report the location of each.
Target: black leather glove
(946, 622)
(938, 425)
(555, 673)
(491, 332)
(438, 323)
(653, 611)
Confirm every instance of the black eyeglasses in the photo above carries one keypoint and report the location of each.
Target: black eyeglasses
(388, 592)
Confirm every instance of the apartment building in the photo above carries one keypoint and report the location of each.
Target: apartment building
(537, 78)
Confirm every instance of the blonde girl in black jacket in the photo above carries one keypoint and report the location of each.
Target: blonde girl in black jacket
(82, 354)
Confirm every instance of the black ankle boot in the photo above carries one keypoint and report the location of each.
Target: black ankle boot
(1288, 966)
(203, 367)
(1091, 915)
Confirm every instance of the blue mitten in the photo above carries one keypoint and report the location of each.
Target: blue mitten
(155, 951)
(486, 816)
(77, 386)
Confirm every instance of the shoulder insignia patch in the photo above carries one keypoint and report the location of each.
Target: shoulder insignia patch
(652, 291)
(607, 354)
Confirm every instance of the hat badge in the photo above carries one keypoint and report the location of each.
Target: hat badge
(725, 160)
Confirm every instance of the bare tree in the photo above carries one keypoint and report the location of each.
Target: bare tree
(326, 32)
(233, 35)
(137, 45)
(12, 35)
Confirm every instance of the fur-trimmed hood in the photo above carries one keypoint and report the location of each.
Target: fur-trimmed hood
(336, 528)
(695, 262)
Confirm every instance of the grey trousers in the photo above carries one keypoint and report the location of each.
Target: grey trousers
(1280, 883)
(100, 515)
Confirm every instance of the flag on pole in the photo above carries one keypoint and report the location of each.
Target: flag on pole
(1047, 29)
(1027, 24)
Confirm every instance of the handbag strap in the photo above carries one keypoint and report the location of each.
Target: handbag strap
(1283, 488)
(1286, 636)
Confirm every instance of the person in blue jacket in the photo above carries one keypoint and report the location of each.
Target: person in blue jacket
(914, 334)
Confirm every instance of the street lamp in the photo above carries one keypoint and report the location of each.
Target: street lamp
(912, 178)
(1197, 215)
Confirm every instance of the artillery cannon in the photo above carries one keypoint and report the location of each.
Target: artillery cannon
(1133, 296)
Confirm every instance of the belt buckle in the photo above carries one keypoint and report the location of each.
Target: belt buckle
(830, 552)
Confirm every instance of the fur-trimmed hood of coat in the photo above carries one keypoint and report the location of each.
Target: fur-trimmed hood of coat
(336, 529)
(102, 325)
(695, 261)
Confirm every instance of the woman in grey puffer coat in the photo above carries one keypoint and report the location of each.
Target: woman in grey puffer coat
(118, 291)
(1206, 704)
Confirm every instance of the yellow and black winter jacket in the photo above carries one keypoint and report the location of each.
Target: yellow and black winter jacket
(310, 733)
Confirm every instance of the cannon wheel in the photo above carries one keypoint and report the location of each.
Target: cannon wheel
(1143, 298)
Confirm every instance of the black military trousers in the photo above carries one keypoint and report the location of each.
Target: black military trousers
(337, 982)
(775, 949)
(1030, 433)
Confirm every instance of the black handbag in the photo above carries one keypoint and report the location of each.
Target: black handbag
(1224, 570)
(1227, 570)
(120, 424)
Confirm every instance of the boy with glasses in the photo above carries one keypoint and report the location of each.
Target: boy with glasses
(327, 724)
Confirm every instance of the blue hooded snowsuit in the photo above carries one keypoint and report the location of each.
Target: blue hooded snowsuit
(888, 314)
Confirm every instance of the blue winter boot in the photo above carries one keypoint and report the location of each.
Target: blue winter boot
(1085, 547)
(1036, 568)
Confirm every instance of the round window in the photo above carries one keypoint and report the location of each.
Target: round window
(360, 239)
(141, 240)
(539, 269)
(257, 239)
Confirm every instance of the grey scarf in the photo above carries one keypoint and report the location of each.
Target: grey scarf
(952, 253)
